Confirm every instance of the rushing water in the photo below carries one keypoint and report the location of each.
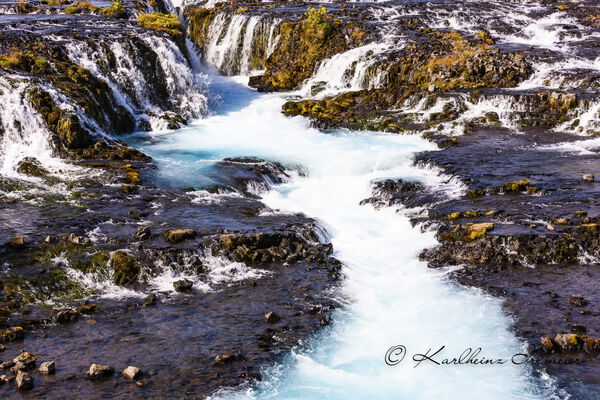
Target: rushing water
(392, 298)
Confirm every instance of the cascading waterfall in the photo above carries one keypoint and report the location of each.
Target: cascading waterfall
(151, 92)
(240, 44)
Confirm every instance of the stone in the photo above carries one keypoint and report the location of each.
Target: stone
(88, 309)
(125, 268)
(151, 299)
(183, 286)
(24, 381)
(5, 379)
(7, 365)
(179, 235)
(132, 372)
(227, 358)
(550, 227)
(99, 371)
(143, 233)
(47, 368)
(588, 178)
(271, 317)
(578, 301)
(566, 341)
(516, 186)
(561, 221)
(28, 359)
(19, 366)
(547, 343)
(65, 316)
(17, 241)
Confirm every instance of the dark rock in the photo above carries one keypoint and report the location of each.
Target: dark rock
(143, 233)
(183, 286)
(125, 268)
(272, 318)
(578, 301)
(17, 241)
(65, 316)
(151, 299)
(32, 167)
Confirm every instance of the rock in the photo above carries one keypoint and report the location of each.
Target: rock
(547, 343)
(65, 316)
(125, 268)
(7, 365)
(99, 371)
(227, 358)
(580, 213)
(31, 166)
(28, 359)
(588, 178)
(566, 341)
(5, 379)
(561, 221)
(140, 384)
(131, 372)
(17, 241)
(272, 318)
(19, 366)
(143, 233)
(47, 368)
(550, 227)
(578, 301)
(476, 231)
(151, 299)
(516, 186)
(179, 235)
(24, 381)
(88, 309)
(79, 239)
(183, 286)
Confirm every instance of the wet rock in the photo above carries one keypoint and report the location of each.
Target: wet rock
(19, 366)
(183, 286)
(578, 301)
(588, 178)
(7, 365)
(26, 358)
(99, 371)
(125, 268)
(272, 317)
(143, 233)
(516, 186)
(65, 316)
(228, 358)
(179, 235)
(24, 381)
(78, 239)
(17, 242)
(32, 167)
(151, 299)
(131, 372)
(47, 368)
(5, 379)
(88, 309)
(567, 342)
(561, 221)
(547, 343)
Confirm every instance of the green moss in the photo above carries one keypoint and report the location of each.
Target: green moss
(125, 268)
(161, 22)
(115, 10)
(516, 186)
(81, 6)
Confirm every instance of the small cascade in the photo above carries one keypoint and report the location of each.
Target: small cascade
(352, 70)
(149, 77)
(239, 44)
(23, 133)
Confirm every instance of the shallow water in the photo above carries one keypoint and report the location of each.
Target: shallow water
(392, 298)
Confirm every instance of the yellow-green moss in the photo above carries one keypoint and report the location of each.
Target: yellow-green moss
(81, 6)
(115, 10)
(161, 22)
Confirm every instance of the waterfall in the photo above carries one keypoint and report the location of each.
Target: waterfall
(150, 77)
(239, 44)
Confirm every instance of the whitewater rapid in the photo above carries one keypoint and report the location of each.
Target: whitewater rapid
(391, 297)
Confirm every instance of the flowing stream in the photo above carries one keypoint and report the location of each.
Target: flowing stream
(391, 297)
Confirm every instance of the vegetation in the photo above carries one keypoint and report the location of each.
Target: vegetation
(115, 10)
(162, 22)
(81, 6)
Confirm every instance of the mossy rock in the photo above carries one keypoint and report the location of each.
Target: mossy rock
(32, 167)
(125, 268)
(179, 235)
